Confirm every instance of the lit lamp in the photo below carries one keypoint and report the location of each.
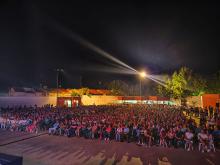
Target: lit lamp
(58, 72)
(142, 75)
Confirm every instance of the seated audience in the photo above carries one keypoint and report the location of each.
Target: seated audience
(159, 125)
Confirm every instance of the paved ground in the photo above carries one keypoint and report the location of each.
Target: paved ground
(54, 150)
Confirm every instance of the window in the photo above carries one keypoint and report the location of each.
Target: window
(68, 103)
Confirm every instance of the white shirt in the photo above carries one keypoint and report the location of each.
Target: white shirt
(119, 130)
(203, 136)
(189, 135)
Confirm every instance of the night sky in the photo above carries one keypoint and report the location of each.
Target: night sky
(160, 37)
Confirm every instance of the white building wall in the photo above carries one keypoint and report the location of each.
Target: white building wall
(176, 101)
(16, 101)
(192, 101)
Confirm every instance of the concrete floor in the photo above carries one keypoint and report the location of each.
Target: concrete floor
(54, 150)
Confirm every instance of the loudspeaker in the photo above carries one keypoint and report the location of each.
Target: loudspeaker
(6, 159)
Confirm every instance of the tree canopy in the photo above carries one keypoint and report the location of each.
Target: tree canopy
(80, 92)
(214, 83)
(118, 87)
(183, 83)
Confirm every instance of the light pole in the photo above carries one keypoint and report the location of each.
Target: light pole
(142, 75)
(57, 76)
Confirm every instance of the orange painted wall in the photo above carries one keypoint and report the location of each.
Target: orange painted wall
(210, 100)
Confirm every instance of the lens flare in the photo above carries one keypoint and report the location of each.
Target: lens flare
(143, 74)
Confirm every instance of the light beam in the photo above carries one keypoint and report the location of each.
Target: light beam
(93, 47)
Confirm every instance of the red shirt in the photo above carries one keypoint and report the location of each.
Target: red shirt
(108, 129)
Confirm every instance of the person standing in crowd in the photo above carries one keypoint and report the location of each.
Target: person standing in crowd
(118, 133)
(148, 137)
(54, 128)
(189, 140)
(94, 130)
(211, 143)
(141, 140)
(107, 134)
(203, 141)
(178, 138)
(163, 137)
(126, 133)
(211, 111)
(170, 137)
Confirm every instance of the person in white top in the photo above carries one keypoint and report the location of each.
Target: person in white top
(211, 143)
(203, 141)
(118, 133)
(2, 123)
(211, 123)
(189, 140)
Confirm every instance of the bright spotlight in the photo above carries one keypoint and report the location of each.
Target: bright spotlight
(143, 74)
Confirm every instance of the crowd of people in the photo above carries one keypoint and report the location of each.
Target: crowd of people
(146, 125)
(208, 115)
